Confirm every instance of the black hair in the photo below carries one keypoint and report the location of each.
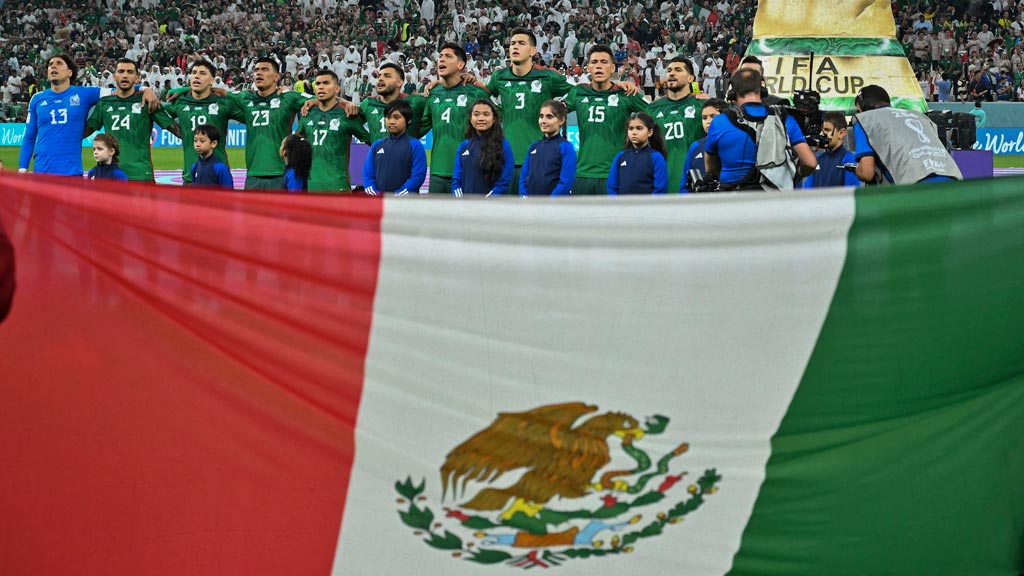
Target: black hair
(492, 147)
(533, 37)
(402, 107)
(127, 61)
(70, 64)
(327, 72)
(561, 111)
(836, 119)
(272, 61)
(871, 97)
(460, 53)
(752, 60)
(716, 103)
(602, 49)
(685, 62)
(208, 130)
(298, 156)
(204, 63)
(396, 68)
(656, 141)
(746, 81)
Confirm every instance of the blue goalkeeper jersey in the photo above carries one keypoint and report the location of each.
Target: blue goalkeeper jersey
(53, 130)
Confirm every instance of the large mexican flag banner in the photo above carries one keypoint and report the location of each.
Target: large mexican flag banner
(200, 382)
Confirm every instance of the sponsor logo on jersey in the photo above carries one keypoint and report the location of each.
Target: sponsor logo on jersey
(660, 115)
(623, 163)
(380, 151)
(466, 152)
(44, 103)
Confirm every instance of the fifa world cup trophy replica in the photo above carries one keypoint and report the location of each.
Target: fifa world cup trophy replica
(853, 43)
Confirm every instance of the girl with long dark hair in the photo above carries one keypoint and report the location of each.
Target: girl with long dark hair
(641, 167)
(483, 162)
(550, 166)
(297, 154)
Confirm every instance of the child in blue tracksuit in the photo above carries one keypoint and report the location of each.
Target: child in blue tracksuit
(831, 161)
(641, 167)
(105, 151)
(209, 170)
(550, 166)
(483, 162)
(397, 163)
(695, 156)
(297, 154)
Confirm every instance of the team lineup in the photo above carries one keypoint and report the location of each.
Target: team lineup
(504, 137)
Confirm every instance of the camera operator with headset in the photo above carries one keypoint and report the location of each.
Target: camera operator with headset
(732, 144)
(898, 146)
(754, 63)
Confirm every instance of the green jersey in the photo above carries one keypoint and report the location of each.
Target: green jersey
(373, 111)
(191, 112)
(521, 98)
(446, 113)
(330, 134)
(129, 120)
(268, 119)
(602, 116)
(681, 126)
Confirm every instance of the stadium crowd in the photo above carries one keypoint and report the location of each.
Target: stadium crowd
(963, 50)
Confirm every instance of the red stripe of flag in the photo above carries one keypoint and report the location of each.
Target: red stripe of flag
(181, 372)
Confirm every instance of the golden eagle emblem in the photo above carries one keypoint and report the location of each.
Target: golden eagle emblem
(560, 460)
(528, 462)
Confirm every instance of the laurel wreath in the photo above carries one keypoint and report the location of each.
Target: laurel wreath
(422, 520)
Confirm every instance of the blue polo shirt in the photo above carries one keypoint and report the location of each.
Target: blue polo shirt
(736, 148)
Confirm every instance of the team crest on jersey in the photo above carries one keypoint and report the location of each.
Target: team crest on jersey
(535, 86)
(690, 112)
(75, 100)
(275, 103)
(567, 504)
(214, 109)
(613, 100)
(462, 100)
(137, 108)
(335, 124)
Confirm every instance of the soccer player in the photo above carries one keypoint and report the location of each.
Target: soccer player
(124, 116)
(602, 110)
(268, 119)
(56, 121)
(679, 116)
(390, 79)
(201, 106)
(329, 130)
(446, 113)
(521, 89)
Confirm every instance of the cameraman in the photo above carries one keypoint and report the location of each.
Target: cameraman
(754, 63)
(731, 153)
(899, 146)
(834, 157)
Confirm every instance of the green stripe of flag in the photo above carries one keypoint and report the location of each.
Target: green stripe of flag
(827, 46)
(901, 452)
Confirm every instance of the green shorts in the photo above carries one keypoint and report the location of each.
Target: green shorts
(264, 182)
(590, 187)
(440, 185)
